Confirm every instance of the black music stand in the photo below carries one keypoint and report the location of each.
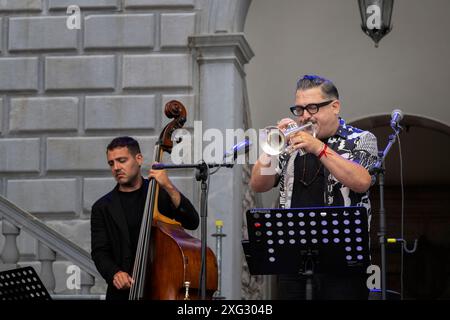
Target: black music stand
(333, 240)
(22, 284)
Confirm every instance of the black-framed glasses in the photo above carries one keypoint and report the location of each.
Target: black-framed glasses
(312, 108)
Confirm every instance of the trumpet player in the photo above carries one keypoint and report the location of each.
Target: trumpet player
(328, 168)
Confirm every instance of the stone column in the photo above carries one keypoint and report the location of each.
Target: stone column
(220, 59)
(47, 257)
(10, 254)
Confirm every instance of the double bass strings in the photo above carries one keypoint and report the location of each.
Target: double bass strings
(137, 287)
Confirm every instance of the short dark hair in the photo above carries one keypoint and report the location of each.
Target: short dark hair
(120, 142)
(313, 81)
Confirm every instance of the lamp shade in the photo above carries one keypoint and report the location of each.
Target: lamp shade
(376, 18)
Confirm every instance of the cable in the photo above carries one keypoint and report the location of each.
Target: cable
(215, 170)
(218, 168)
(402, 236)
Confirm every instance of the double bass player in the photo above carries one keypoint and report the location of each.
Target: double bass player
(116, 217)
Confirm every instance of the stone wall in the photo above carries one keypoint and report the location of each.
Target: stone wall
(64, 94)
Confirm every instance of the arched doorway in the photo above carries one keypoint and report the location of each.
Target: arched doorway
(425, 148)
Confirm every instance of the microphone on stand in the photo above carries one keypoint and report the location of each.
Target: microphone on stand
(240, 148)
(396, 117)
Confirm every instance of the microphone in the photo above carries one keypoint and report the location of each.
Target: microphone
(241, 147)
(396, 116)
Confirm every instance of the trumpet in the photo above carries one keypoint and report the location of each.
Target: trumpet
(274, 141)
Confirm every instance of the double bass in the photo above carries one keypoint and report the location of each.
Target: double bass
(168, 259)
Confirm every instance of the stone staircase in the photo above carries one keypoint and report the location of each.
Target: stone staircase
(51, 245)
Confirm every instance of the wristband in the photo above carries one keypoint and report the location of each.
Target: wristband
(323, 152)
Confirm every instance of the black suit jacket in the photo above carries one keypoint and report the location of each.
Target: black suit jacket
(110, 241)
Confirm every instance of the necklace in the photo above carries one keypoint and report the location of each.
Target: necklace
(302, 179)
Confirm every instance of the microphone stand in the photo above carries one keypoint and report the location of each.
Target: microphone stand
(202, 174)
(379, 169)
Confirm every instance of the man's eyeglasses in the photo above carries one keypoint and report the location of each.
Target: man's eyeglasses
(312, 108)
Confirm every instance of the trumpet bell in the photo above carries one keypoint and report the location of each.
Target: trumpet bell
(272, 140)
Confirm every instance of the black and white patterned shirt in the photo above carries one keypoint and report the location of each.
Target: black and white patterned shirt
(351, 143)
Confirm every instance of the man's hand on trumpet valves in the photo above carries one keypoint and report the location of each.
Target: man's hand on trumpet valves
(304, 140)
(283, 123)
(300, 139)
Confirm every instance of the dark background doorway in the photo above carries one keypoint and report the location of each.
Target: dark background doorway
(426, 156)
